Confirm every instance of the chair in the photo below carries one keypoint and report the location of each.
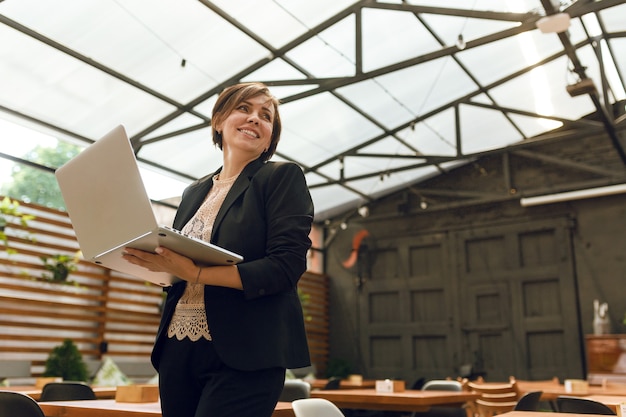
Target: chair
(442, 385)
(577, 405)
(442, 411)
(14, 404)
(295, 389)
(495, 398)
(315, 407)
(528, 401)
(419, 383)
(333, 383)
(66, 391)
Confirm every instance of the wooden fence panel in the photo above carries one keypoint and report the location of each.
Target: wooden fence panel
(102, 311)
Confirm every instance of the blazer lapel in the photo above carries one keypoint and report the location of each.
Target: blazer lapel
(193, 200)
(241, 184)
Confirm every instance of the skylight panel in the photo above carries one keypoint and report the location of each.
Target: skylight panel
(183, 121)
(448, 28)
(331, 199)
(533, 126)
(265, 18)
(485, 129)
(377, 186)
(489, 63)
(384, 28)
(517, 6)
(388, 146)
(329, 54)
(192, 153)
(315, 128)
(548, 98)
(371, 97)
(68, 93)
(613, 18)
(433, 136)
(422, 88)
(620, 63)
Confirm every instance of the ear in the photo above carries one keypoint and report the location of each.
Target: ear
(217, 125)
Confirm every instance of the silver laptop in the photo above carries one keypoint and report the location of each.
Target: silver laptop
(110, 211)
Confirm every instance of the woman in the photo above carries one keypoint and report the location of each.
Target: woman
(228, 333)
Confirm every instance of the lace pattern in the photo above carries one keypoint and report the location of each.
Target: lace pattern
(189, 319)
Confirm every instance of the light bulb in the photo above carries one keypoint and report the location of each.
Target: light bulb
(460, 42)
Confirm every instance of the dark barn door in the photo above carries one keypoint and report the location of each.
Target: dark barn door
(519, 300)
(501, 297)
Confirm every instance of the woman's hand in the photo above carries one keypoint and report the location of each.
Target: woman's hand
(163, 260)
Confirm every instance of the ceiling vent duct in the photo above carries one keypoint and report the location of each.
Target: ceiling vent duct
(584, 86)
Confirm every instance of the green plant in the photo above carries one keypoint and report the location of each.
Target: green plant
(66, 361)
(59, 266)
(304, 300)
(338, 368)
(10, 209)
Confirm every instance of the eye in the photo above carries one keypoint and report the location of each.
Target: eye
(242, 107)
(267, 117)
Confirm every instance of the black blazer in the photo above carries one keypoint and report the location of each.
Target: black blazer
(266, 217)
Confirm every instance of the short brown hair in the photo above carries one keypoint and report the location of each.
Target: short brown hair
(228, 100)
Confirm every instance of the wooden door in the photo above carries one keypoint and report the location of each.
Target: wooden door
(408, 310)
(518, 295)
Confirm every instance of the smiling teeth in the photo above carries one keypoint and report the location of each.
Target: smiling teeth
(249, 132)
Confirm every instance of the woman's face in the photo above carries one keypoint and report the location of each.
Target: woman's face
(248, 128)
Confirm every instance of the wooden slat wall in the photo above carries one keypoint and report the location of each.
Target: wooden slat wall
(315, 286)
(105, 307)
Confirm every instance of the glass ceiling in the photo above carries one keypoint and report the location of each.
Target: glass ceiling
(377, 95)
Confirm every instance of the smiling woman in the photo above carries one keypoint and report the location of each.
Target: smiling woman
(251, 327)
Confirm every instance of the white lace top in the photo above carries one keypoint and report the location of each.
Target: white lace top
(189, 319)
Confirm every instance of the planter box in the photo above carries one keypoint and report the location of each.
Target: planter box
(137, 393)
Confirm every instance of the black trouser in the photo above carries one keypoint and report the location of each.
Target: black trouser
(194, 382)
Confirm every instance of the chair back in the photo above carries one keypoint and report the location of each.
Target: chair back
(577, 405)
(295, 389)
(333, 383)
(442, 411)
(495, 398)
(66, 391)
(442, 385)
(529, 401)
(315, 407)
(14, 404)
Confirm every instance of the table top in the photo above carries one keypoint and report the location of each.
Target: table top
(543, 414)
(344, 384)
(111, 408)
(611, 401)
(552, 390)
(408, 400)
(35, 393)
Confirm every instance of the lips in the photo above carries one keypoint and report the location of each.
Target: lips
(249, 133)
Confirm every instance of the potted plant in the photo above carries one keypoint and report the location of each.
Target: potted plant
(65, 361)
(10, 209)
(59, 266)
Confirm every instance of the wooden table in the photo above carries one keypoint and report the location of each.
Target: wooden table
(111, 408)
(543, 414)
(611, 401)
(35, 393)
(552, 390)
(409, 400)
(344, 384)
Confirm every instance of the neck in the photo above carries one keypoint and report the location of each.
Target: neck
(233, 166)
